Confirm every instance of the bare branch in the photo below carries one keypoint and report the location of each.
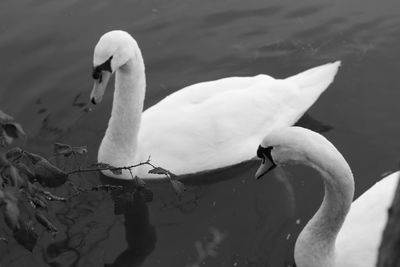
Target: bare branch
(111, 168)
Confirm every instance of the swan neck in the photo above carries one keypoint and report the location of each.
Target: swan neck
(315, 245)
(121, 136)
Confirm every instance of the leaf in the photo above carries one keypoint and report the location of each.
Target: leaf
(178, 186)
(5, 117)
(3, 161)
(19, 128)
(105, 166)
(14, 154)
(11, 214)
(33, 157)
(23, 169)
(11, 193)
(43, 220)
(13, 129)
(80, 150)
(39, 201)
(106, 187)
(50, 196)
(16, 179)
(62, 149)
(100, 165)
(116, 171)
(159, 170)
(48, 174)
(26, 236)
(5, 139)
(2, 196)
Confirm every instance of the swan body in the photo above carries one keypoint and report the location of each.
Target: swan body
(198, 127)
(361, 234)
(341, 233)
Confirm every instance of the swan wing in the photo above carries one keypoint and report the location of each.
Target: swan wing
(200, 92)
(314, 81)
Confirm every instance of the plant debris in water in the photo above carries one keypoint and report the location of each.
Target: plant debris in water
(67, 150)
(178, 186)
(9, 129)
(24, 201)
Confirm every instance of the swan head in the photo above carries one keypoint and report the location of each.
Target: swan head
(296, 145)
(113, 50)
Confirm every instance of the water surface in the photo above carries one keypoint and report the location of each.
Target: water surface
(46, 49)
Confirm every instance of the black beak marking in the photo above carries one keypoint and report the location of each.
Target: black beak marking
(93, 101)
(97, 71)
(265, 153)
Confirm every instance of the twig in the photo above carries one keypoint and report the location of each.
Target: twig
(112, 168)
(105, 187)
(139, 183)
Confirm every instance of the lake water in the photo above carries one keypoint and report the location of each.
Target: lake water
(46, 52)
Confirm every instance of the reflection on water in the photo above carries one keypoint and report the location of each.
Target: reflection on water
(45, 83)
(140, 235)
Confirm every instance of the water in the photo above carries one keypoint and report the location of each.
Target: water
(46, 51)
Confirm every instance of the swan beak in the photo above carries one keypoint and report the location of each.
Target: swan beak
(99, 87)
(265, 167)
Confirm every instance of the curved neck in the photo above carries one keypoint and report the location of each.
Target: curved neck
(123, 127)
(315, 245)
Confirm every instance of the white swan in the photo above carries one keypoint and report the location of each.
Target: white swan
(201, 127)
(330, 238)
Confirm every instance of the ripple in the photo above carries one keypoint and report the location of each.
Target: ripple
(304, 12)
(179, 61)
(320, 29)
(227, 17)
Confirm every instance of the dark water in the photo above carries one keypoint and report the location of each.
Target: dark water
(46, 53)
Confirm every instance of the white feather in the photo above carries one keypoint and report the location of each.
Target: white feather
(361, 234)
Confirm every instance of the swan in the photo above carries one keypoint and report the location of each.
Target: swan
(331, 238)
(196, 128)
